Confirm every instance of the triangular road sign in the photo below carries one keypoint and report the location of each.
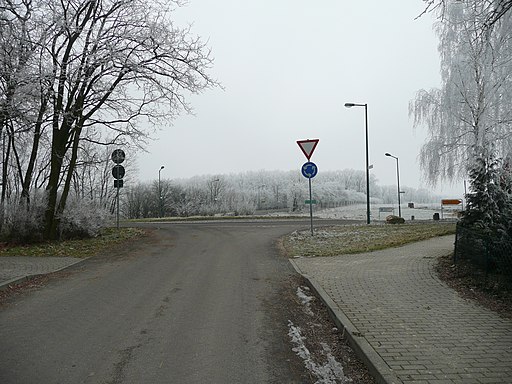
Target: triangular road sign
(308, 147)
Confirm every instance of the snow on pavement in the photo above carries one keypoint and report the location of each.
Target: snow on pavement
(331, 372)
(305, 299)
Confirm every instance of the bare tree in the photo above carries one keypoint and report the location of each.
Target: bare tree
(107, 66)
(215, 187)
(78, 72)
(15, 49)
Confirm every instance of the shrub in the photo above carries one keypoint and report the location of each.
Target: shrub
(392, 219)
(83, 218)
(22, 223)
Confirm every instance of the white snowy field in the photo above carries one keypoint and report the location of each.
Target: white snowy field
(378, 212)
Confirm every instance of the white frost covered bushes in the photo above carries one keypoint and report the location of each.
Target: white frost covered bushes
(20, 223)
(23, 224)
(83, 218)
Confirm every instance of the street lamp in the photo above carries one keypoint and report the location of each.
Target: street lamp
(397, 181)
(350, 105)
(160, 191)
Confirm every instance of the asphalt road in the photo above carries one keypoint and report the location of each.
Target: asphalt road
(192, 303)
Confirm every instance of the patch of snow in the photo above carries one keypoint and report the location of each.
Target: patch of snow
(332, 365)
(329, 373)
(305, 299)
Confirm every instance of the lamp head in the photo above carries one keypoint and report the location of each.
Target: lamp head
(349, 105)
(387, 154)
(162, 167)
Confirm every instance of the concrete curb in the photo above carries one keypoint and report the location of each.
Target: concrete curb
(376, 365)
(5, 285)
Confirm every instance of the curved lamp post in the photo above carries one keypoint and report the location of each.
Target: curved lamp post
(397, 181)
(350, 105)
(160, 191)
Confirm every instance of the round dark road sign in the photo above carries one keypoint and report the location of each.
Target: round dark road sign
(118, 156)
(118, 171)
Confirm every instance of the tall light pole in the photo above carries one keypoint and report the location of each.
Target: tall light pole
(160, 192)
(350, 105)
(397, 181)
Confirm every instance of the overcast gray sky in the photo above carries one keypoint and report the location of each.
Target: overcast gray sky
(288, 67)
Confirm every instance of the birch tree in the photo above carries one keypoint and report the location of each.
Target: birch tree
(469, 116)
(491, 11)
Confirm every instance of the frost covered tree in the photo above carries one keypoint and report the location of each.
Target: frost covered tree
(489, 206)
(491, 11)
(470, 113)
(106, 69)
(469, 119)
(248, 192)
(20, 112)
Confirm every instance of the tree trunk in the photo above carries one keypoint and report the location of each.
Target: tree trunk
(25, 192)
(70, 172)
(51, 222)
(5, 167)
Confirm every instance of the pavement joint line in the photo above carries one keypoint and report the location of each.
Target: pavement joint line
(382, 373)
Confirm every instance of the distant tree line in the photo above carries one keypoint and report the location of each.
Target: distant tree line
(250, 192)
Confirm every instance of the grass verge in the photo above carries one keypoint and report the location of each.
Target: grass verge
(346, 239)
(81, 248)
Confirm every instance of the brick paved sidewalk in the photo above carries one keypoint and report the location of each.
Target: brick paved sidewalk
(15, 268)
(414, 327)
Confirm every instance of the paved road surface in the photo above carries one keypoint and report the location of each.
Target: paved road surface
(196, 303)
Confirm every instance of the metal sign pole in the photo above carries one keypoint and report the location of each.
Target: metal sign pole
(309, 170)
(117, 198)
(310, 206)
(118, 157)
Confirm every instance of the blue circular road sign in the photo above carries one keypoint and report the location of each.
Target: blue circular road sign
(309, 170)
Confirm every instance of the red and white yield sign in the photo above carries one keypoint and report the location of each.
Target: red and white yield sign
(308, 147)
